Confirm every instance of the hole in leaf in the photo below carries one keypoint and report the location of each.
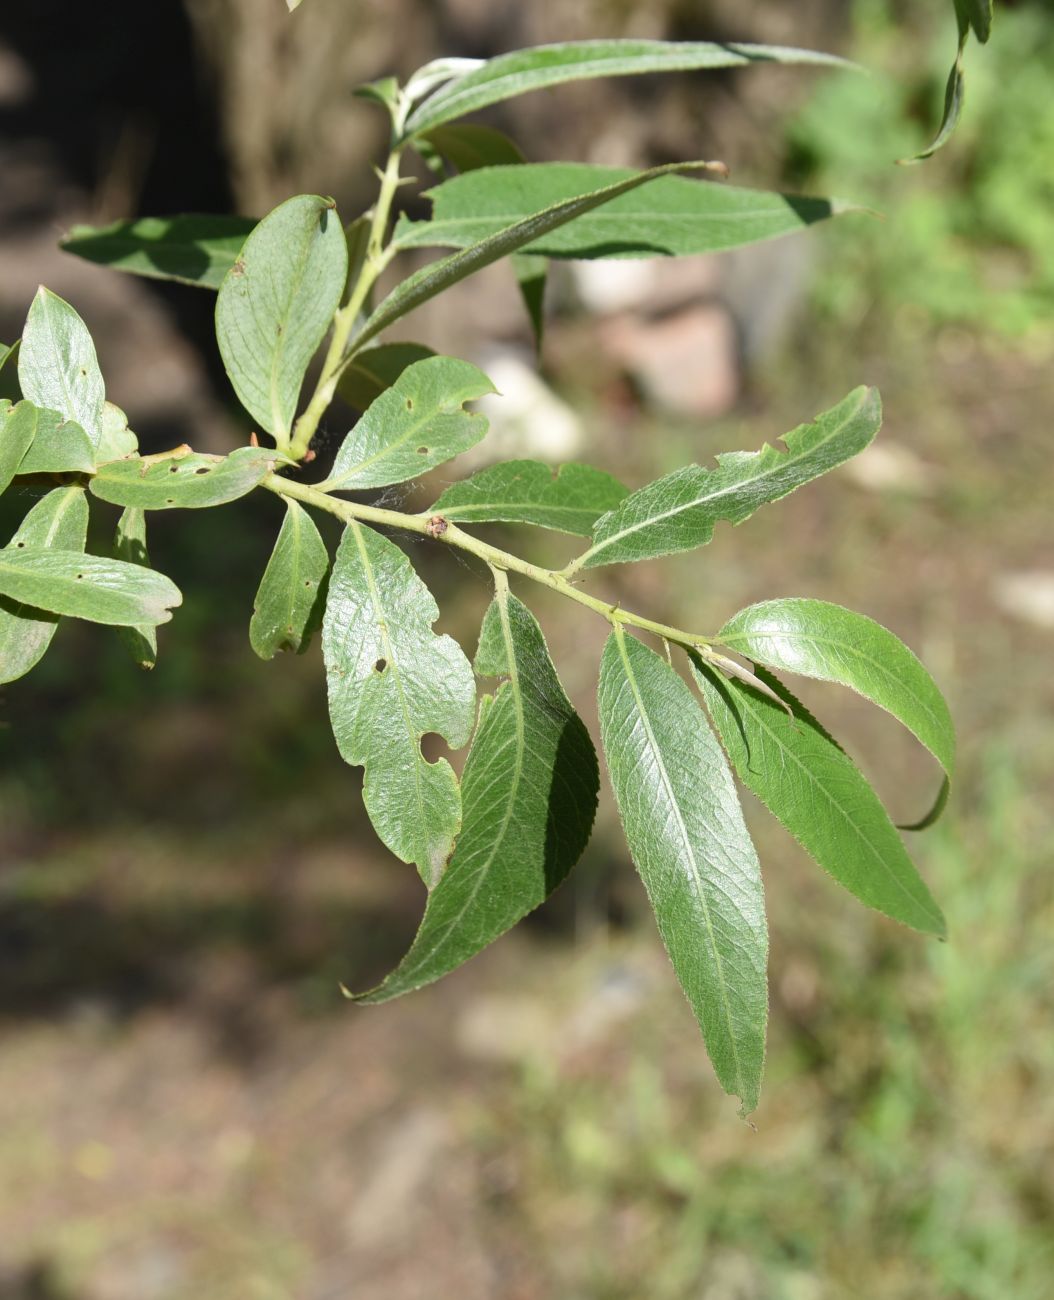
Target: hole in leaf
(173, 469)
(170, 501)
(308, 582)
(380, 665)
(409, 403)
(203, 469)
(19, 545)
(422, 451)
(79, 576)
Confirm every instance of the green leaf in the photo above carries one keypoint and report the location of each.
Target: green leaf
(672, 216)
(371, 372)
(416, 424)
(86, 586)
(805, 780)
(288, 606)
(685, 830)
(58, 447)
(532, 275)
(568, 500)
(978, 13)
(277, 302)
(435, 278)
(816, 639)
(129, 544)
(60, 520)
(9, 389)
(678, 512)
(116, 440)
(18, 427)
(391, 681)
(530, 795)
(185, 482)
(954, 95)
(195, 250)
(469, 146)
(549, 65)
(57, 366)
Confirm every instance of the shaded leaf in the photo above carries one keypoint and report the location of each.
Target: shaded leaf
(815, 790)
(370, 372)
(978, 13)
(469, 146)
(116, 440)
(86, 586)
(185, 482)
(678, 512)
(18, 427)
(60, 520)
(816, 639)
(416, 424)
(9, 389)
(277, 302)
(57, 366)
(530, 795)
(686, 833)
(391, 681)
(197, 250)
(129, 544)
(567, 500)
(288, 606)
(672, 216)
(517, 73)
(532, 275)
(58, 447)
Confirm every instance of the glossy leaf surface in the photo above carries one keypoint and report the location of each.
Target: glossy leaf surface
(678, 512)
(514, 74)
(288, 603)
(57, 366)
(391, 681)
(276, 303)
(416, 424)
(806, 781)
(86, 586)
(182, 482)
(568, 500)
(58, 520)
(195, 250)
(530, 795)
(685, 830)
(825, 641)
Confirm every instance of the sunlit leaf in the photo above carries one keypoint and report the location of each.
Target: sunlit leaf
(86, 586)
(195, 250)
(375, 369)
(568, 500)
(58, 447)
(57, 366)
(182, 481)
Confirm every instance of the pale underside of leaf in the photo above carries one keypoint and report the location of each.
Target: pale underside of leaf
(188, 481)
(569, 499)
(86, 586)
(57, 366)
(286, 609)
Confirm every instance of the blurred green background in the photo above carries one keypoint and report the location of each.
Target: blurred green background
(188, 1108)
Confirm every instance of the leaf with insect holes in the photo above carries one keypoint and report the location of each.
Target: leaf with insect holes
(392, 680)
(57, 366)
(371, 372)
(58, 446)
(416, 424)
(86, 586)
(435, 278)
(289, 603)
(678, 512)
(182, 482)
(59, 520)
(817, 639)
(685, 829)
(129, 544)
(816, 791)
(541, 66)
(196, 250)
(530, 796)
(673, 216)
(568, 500)
(277, 302)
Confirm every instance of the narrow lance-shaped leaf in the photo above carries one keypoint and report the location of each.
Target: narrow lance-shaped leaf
(186, 481)
(374, 370)
(419, 422)
(568, 500)
(18, 427)
(391, 681)
(685, 830)
(129, 544)
(58, 446)
(678, 512)
(60, 520)
(277, 302)
(87, 586)
(815, 790)
(430, 280)
(57, 366)
(517, 73)
(530, 795)
(816, 639)
(673, 216)
(288, 606)
(196, 250)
